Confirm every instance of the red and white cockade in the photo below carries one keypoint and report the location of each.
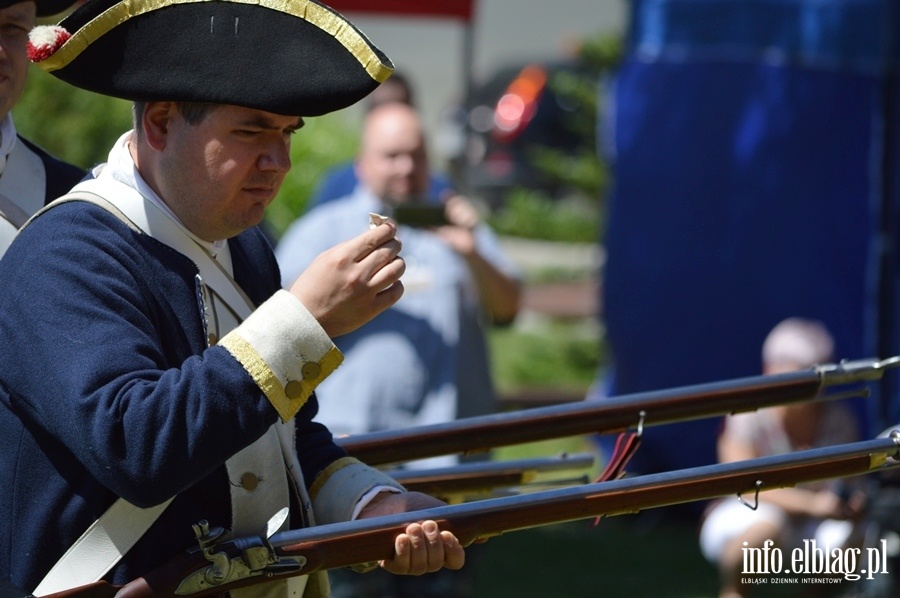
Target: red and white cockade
(45, 40)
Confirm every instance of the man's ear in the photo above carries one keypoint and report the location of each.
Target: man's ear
(155, 121)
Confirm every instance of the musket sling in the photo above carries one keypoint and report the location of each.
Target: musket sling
(11, 212)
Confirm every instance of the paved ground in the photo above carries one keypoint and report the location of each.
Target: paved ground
(578, 299)
(535, 256)
(564, 300)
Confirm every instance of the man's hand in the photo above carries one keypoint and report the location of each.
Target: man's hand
(351, 283)
(500, 292)
(463, 218)
(423, 548)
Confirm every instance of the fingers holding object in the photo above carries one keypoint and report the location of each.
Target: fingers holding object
(379, 254)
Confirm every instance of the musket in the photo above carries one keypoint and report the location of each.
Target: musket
(217, 566)
(466, 479)
(615, 414)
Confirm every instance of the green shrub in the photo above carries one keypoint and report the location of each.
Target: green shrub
(535, 216)
(75, 125)
(558, 355)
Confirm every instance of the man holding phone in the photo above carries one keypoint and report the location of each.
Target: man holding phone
(424, 360)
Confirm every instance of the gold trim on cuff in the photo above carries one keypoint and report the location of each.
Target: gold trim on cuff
(313, 13)
(268, 382)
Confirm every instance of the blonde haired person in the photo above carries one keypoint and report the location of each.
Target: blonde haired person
(786, 516)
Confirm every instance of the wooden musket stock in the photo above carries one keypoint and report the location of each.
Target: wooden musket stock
(616, 414)
(303, 551)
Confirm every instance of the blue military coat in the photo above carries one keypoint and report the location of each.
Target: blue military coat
(108, 389)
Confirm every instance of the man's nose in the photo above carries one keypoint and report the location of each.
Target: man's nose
(405, 165)
(276, 157)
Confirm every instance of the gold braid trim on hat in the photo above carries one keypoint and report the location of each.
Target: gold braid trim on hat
(312, 13)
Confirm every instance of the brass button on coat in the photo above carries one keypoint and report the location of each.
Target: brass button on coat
(249, 481)
(212, 339)
(311, 370)
(293, 389)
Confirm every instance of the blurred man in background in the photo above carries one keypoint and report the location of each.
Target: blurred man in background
(424, 360)
(341, 180)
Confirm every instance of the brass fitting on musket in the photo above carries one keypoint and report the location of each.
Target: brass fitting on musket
(855, 370)
(255, 558)
(879, 460)
(895, 436)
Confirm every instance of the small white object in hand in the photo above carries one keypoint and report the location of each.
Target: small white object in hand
(376, 219)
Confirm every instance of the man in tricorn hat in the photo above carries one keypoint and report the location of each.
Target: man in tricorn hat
(29, 176)
(153, 374)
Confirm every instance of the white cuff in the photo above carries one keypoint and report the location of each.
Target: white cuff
(285, 350)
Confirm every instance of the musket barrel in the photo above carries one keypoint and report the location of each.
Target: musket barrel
(349, 543)
(616, 414)
(490, 517)
(494, 516)
(628, 495)
(482, 476)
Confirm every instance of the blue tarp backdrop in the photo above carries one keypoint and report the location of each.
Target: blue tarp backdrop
(755, 151)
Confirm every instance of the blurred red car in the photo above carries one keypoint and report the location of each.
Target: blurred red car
(515, 111)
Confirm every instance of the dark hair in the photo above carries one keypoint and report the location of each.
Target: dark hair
(193, 113)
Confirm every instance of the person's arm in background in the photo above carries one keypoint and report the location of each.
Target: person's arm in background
(500, 292)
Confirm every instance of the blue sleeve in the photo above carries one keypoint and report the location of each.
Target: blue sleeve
(110, 357)
(438, 185)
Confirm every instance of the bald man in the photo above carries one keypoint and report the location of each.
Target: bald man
(423, 360)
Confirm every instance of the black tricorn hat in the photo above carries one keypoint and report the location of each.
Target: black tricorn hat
(291, 57)
(45, 8)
